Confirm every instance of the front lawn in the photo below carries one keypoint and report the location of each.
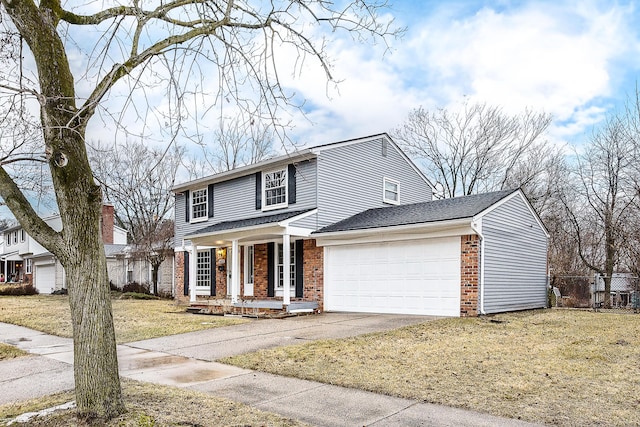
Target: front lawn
(557, 367)
(134, 319)
(153, 405)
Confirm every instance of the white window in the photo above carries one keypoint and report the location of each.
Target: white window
(29, 265)
(15, 237)
(203, 268)
(391, 191)
(249, 264)
(292, 266)
(274, 189)
(22, 235)
(7, 238)
(199, 205)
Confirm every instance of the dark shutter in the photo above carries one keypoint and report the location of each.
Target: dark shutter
(271, 274)
(186, 273)
(291, 175)
(187, 206)
(258, 190)
(213, 270)
(299, 269)
(210, 200)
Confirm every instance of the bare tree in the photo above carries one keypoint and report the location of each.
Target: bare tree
(478, 148)
(603, 201)
(139, 47)
(138, 179)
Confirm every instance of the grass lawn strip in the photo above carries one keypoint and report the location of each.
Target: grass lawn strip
(134, 319)
(10, 352)
(154, 405)
(557, 367)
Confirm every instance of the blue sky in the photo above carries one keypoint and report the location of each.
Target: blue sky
(576, 60)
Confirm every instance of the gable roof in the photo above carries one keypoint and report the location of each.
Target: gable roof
(419, 213)
(296, 156)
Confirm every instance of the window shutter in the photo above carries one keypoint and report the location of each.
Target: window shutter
(258, 191)
(299, 269)
(212, 275)
(271, 283)
(186, 273)
(291, 176)
(187, 206)
(210, 201)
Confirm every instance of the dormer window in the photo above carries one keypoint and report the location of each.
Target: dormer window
(275, 189)
(199, 203)
(391, 191)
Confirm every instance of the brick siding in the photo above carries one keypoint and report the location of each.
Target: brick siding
(107, 224)
(469, 275)
(313, 273)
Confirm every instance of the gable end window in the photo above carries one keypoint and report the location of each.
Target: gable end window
(274, 189)
(199, 205)
(391, 191)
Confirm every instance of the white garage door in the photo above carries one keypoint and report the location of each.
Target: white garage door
(45, 278)
(409, 277)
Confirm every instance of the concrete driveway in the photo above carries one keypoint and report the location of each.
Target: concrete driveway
(213, 344)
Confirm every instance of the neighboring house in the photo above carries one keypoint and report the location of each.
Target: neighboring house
(625, 290)
(129, 266)
(351, 226)
(25, 260)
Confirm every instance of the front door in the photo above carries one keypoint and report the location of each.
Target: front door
(229, 272)
(248, 270)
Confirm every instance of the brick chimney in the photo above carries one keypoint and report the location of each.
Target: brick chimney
(107, 223)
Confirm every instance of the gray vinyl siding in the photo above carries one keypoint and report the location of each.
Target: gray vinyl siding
(350, 179)
(515, 258)
(235, 199)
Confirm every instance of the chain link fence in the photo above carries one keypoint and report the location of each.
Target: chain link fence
(589, 292)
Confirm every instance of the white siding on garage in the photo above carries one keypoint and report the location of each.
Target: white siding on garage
(515, 258)
(406, 277)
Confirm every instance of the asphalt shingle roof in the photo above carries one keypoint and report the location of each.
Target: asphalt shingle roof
(249, 222)
(418, 213)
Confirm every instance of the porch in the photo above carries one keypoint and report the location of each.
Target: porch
(253, 307)
(259, 267)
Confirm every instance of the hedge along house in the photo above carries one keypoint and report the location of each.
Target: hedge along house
(295, 233)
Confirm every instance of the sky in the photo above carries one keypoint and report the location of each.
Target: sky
(575, 60)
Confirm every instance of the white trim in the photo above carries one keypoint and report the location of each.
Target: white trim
(248, 286)
(281, 205)
(193, 220)
(515, 193)
(384, 191)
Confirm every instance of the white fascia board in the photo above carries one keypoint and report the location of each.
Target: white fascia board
(256, 231)
(297, 156)
(517, 193)
(458, 227)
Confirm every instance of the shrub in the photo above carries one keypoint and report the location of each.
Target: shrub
(18, 289)
(139, 288)
(137, 295)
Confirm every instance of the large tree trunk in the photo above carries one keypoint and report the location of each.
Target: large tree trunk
(79, 245)
(98, 392)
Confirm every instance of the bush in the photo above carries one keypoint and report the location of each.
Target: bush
(139, 288)
(62, 291)
(137, 295)
(18, 289)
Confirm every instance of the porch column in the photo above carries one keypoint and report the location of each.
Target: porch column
(235, 271)
(286, 269)
(193, 271)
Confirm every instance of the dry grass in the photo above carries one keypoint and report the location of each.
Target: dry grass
(134, 319)
(10, 352)
(154, 405)
(554, 366)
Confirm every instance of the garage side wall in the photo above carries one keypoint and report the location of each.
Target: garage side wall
(515, 258)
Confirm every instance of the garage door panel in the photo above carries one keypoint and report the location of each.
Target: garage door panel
(45, 278)
(413, 277)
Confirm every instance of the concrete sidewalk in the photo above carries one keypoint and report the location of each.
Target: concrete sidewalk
(187, 361)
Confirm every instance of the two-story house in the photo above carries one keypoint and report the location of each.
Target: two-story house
(351, 226)
(23, 259)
